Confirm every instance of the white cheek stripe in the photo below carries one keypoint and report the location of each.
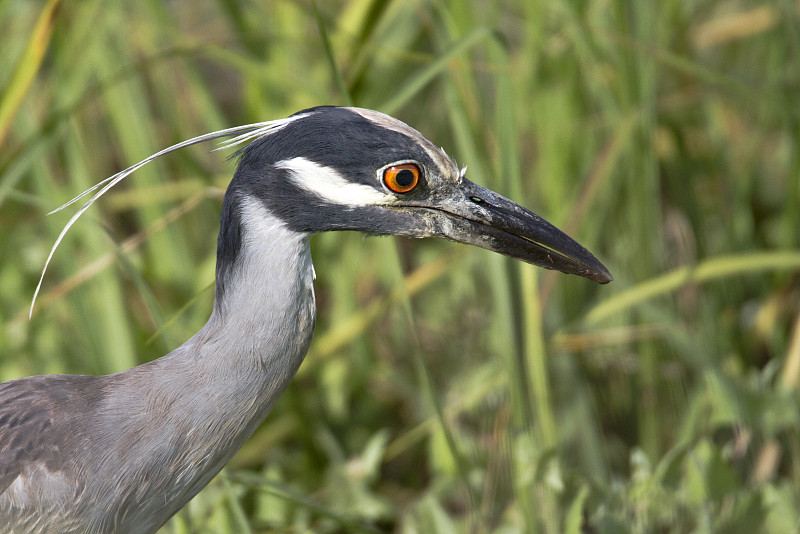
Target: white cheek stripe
(329, 185)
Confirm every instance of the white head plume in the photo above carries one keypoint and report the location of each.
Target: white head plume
(243, 134)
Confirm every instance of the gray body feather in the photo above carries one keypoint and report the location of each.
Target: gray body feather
(53, 476)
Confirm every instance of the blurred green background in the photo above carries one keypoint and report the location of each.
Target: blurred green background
(448, 389)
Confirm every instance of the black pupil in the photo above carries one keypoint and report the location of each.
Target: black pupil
(404, 178)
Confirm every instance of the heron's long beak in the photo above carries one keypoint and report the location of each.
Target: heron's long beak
(481, 217)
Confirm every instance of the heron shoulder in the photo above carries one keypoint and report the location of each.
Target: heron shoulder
(40, 422)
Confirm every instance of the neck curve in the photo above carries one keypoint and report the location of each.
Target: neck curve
(204, 399)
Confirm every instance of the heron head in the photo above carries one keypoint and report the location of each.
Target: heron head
(333, 168)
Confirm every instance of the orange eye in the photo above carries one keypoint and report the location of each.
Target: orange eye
(402, 178)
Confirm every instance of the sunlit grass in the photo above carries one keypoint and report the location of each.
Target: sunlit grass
(448, 389)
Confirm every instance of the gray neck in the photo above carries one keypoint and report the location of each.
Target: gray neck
(261, 326)
(210, 394)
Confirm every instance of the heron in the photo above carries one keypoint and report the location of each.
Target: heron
(124, 452)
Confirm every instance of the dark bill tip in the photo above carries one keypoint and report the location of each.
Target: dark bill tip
(603, 277)
(488, 220)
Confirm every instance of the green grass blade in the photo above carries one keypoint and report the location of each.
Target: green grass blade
(708, 270)
(27, 67)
